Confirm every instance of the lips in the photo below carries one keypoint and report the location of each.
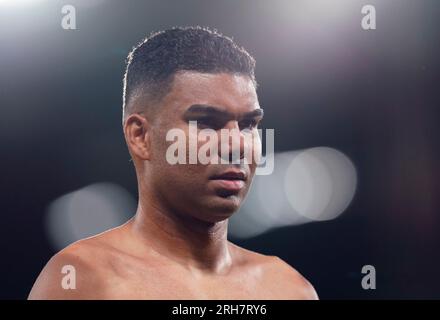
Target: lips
(230, 175)
(229, 181)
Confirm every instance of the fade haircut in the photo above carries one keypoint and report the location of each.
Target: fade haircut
(152, 64)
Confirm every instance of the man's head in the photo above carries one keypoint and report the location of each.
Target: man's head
(182, 75)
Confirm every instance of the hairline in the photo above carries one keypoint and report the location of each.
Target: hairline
(137, 93)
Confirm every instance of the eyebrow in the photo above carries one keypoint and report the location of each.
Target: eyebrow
(217, 111)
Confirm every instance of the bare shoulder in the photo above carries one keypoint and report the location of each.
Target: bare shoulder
(76, 272)
(280, 276)
(296, 286)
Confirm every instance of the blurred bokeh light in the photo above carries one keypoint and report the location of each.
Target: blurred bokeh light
(87, 212)
(315, 184)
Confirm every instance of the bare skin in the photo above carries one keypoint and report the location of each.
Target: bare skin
(176, 246)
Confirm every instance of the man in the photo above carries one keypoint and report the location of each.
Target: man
(176, 245)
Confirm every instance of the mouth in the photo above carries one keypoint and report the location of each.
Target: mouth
(229, 182)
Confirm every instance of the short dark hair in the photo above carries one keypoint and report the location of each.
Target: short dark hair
(152, 64)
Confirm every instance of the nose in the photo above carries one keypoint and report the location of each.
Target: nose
(232, 143)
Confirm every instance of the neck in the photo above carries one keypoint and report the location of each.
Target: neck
(197, 245)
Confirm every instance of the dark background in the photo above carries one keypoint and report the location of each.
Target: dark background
(323, 82)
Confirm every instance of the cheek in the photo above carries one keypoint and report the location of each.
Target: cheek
(168, 141)
(177, 172)
(253, 149)
(158, 145)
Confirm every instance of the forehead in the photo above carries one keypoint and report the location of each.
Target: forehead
(230, 92)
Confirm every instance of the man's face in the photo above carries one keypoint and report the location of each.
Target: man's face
(209, 192)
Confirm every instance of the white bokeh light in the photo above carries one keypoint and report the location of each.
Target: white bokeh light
(19, 3)
(87, 212)
(320, 183)
(314, 184)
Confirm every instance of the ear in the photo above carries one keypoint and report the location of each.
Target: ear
(137, 136)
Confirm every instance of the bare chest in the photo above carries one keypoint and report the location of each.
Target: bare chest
(173, 283)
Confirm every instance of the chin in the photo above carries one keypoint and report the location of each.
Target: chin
(222, 208)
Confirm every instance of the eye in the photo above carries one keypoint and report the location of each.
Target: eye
(248, 124)
(209, 123)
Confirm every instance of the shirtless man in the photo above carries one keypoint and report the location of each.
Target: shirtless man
(176, 245)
